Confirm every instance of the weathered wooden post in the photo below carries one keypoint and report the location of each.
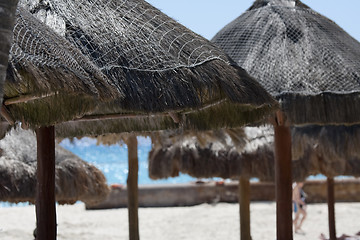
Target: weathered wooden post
(244, 205)
(331, 208)
(283, 177)
(45, 189)
(132, 187)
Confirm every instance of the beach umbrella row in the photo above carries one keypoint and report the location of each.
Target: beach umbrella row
(158, 75)
(305, 61)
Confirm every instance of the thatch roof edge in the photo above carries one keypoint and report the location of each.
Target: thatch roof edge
(315, 109)
(223, 115)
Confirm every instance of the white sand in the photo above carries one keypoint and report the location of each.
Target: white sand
(199, 222)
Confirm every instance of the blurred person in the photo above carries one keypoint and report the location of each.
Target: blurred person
(299, 206)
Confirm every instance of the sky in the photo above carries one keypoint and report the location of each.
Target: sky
(207, 17)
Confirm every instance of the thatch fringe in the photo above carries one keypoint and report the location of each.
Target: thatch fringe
(94, 128)
(205, 163)
(327, 150)
(329, 108)
(227, 154)
(334, 150)
(222, 115)
(302, 58)
(52, 110)
(75, 179)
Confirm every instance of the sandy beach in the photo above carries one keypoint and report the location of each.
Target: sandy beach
(220, 221)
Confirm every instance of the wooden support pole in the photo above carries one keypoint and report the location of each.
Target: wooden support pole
(283, 178)
(244, 204)
(132, 188)
(331, 208)
(45, 188)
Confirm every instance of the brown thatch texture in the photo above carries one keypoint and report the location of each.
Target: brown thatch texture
(45, 65)
(219, 157)
(75, 179)
(160, 65)
(302, 58)
(330, 150)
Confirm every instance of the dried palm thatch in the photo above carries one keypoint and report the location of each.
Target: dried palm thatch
(330, 150)
(48, 79)
(75, 179)
(252, 157)
(302, 58)
(160, 65)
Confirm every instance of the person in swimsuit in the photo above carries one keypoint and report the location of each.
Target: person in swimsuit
(299, 206)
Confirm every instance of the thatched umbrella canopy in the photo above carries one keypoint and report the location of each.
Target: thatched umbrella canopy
(202, 82)
(304, 60)
(76, 180)
(315, 150)
(221, 155)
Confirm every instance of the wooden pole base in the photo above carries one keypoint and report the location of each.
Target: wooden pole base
(132, 187)
(331, 208)
(244, 204)
(283, 178)
(45, 188)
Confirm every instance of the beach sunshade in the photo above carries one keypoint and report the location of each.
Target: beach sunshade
(305, 61)
(162, 67)
(48, 79)
(221, 156)
(328, 150)
(76, 180)
(302, 58)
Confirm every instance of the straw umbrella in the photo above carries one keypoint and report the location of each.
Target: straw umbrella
(75, 179)
(328, 150)
(7, 20)
(316, 150)
(166, 72)
(335, 152)
(304, 60)
(45, 85)
(234, 154)
(228, 154)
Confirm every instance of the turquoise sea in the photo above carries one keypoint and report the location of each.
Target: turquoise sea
(113, 161)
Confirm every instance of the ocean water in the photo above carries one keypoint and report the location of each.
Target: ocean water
(113, 161)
